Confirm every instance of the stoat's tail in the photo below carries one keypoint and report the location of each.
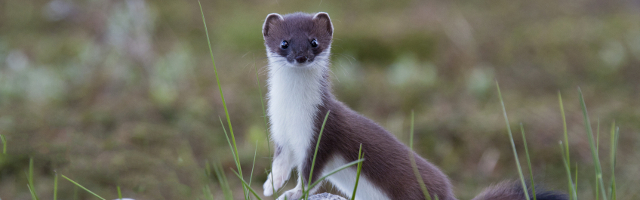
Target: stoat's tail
(513, 191)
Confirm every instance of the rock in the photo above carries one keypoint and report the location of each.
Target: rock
(326, 196)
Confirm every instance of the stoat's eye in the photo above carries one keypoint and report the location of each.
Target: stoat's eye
(314, 43)
(284, 44)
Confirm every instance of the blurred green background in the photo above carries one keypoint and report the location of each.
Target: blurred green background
(123, 92)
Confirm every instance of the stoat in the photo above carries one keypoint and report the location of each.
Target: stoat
(298, 47)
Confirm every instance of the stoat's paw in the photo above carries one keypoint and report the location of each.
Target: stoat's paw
(272, 184)
(292, 194)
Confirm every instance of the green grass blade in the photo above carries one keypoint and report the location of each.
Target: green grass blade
(594, 152)
(335, 171)
(526, 150)
(513, 145)
(246, 185)
(266, 124)
(615, 132)
(235, 159)
(224, 104)
(77, 184)
(598, 135)
(414, 166)
(572, 189)
(33, 194)
(222, 180)
(207, 192)
(30, 180)
(264, 113)
(576, 177)
(119, 192)
(4, 144)
(597, 150)
(315, 153)
(355, 188)
(566, 137)
(55, 187)
(75, 193)
(253, 165)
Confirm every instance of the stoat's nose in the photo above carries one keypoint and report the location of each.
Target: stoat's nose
(301, 59)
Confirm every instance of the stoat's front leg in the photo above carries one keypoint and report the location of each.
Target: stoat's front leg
(280, 170)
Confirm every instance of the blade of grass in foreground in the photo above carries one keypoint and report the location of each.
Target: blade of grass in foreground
(224, 104)
(30, 180)
(597, 150)
(207, 192)
(355, 162)
(4, 144)
(572, 189)
(222, 180)
(253, 165)
(77, 184)
(264, 114)
(355, 188)
(594, 152)
(246, 185)
(33, 195)
(313, 162)
(526, 150)
(566, 144)
(414, 166)
(513, 145)
(55, 187)
(615, 132)
(119, 192)
(564, 127)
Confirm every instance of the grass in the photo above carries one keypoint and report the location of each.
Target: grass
(315, 153)
(414, 166)
(513, 145)
(248, 191)
(526, 150)
(594, 146)
(4, 144)
(355, 187)
(594, 152)
(85, 189)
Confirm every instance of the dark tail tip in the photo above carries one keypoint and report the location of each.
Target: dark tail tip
(510, 190)
(549, 195)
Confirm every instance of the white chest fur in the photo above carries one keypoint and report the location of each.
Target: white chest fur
(294, 96)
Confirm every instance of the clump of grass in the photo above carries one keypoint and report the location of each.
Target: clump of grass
(222, 180)
(224, 104)
(564, 150)
(594, 146)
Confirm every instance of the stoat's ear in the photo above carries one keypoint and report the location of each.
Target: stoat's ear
(322, 20)
(272, 19)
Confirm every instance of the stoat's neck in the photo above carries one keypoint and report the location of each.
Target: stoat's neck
(295, 92)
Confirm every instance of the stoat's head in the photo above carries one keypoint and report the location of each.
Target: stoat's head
(298, 39)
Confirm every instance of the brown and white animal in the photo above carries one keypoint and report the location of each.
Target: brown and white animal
(298, 48)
